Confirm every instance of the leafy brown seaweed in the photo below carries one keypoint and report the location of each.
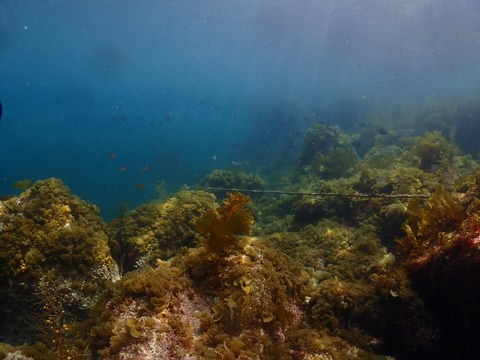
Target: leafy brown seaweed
(221, 226)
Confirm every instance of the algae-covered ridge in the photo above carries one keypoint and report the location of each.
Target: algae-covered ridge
(275, 276)
(51, 244)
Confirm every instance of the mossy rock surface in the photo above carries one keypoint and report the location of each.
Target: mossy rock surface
(50, 236)
(158, 230)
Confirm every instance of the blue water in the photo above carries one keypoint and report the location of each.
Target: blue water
(108, 94)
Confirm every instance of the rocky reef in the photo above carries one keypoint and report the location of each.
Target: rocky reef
(352, 257)
(157, 230)
(228, 179)
(54, 262)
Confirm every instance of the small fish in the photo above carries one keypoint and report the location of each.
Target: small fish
(116, 221)
(145, 167)
(139, 186)
(22, 184)
(122, 168)
(112, 155)
(240, 163)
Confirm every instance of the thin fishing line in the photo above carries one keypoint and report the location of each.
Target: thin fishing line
(321, 193)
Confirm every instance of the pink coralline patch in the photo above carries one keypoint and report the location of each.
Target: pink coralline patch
(160, 342)
(149, 350)
(476, 241)
(467, 247)
(191, 304)
(163, 340)
(295, 316)
(297, 313)
(155, 338)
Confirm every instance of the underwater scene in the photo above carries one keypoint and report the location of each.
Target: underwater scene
(225, 179)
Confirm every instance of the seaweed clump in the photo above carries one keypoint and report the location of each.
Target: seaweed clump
(221, 226)
(442, 259)
(50, 235)
(228, 179)
(327, 152)
(429, 227)
(432, 150)
(157, 230)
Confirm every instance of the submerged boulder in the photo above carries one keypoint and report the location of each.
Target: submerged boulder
(54, 254)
